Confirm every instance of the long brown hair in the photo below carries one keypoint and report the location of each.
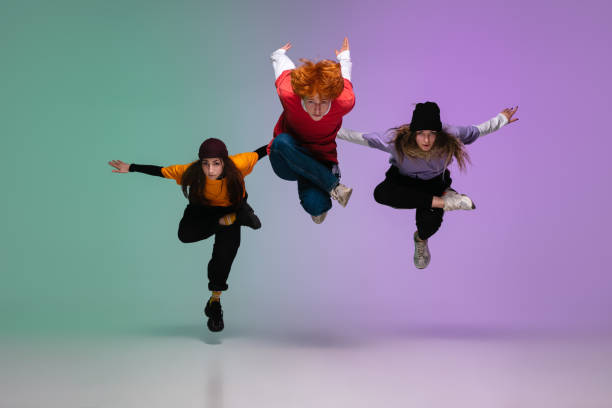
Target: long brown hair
(193, 182)
(445, 146)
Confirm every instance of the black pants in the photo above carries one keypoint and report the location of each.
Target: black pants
(399, 191)
(201, 222)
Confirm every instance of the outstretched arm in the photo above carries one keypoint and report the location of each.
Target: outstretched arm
(247, 161)
(344, 58)
(374, 140)
(352, 136)
(121, 167)
(262, 152)
(504, 118)
(280, 61)
(468, 134)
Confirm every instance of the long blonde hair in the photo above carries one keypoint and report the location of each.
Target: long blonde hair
(445, 146)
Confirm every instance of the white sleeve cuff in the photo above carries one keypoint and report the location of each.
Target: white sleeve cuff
(352, 136)
(345, 63)
(492, 125)
(281, 62)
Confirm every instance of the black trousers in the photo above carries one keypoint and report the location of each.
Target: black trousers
(403, 192)
(201, 222)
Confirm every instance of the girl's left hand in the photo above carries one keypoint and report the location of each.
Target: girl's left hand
(509, 112)
(120, 166)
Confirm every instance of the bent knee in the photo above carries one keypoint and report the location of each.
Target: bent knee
(185, 238)
(282, 141)
(380, 194)
(316, 205)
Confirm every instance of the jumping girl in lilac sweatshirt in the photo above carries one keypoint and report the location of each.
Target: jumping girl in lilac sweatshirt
(418, 177)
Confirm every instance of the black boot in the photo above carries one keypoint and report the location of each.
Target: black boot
(214, 312)
(246, 216)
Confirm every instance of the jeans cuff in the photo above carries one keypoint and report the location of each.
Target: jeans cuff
(334, 185)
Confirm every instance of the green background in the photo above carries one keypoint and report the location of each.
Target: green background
(141, 81)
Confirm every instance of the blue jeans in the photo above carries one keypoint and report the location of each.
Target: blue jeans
(315, 180)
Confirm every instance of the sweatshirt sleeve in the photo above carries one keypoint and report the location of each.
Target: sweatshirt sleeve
(175, 172)
(281, 62)
(469, 134)
(171, 172)
(492, 125)
(245, 161)
(147, 169)
(261, 152)
(373, 140)
(346, 66)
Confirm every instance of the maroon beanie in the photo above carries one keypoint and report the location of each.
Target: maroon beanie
(212, 148)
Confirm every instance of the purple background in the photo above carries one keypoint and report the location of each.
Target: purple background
(535, 252)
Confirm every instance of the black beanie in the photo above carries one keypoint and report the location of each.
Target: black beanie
(426, 116)
(212, 148)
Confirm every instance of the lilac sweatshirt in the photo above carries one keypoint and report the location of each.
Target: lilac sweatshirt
(415, 167)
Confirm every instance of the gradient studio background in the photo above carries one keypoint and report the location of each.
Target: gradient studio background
(88, 251)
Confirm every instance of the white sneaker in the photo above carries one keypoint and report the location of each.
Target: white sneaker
(341, 193)
(455, 201)
(421, 253)
(318, 219)
(449, 191)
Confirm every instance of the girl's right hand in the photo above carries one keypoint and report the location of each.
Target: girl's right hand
(120, 166)
(509, 112)
(286, 47)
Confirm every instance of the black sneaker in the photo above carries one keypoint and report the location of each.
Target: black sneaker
(214, 312)
(246, 216)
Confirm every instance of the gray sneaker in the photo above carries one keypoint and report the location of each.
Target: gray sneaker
(341, 193)
(455, 201)
(318, 219)
(421, 252)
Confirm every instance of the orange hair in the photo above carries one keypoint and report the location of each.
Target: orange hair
(323, 78)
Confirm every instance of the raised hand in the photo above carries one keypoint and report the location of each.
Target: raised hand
(286, 47)
(345, 46)
(120, 166)
(509, 112)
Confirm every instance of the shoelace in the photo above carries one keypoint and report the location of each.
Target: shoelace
(420, 249)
